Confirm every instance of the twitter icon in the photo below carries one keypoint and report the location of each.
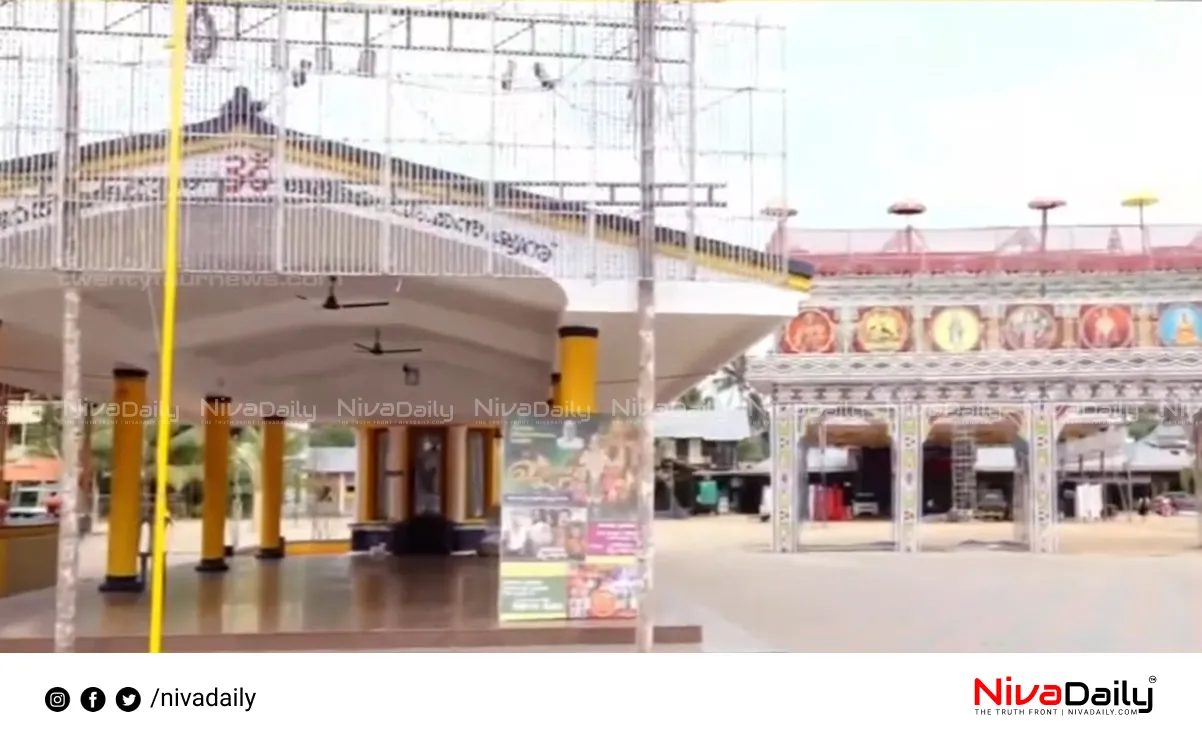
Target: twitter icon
(128, 699)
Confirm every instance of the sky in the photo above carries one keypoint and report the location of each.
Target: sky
(975, 108)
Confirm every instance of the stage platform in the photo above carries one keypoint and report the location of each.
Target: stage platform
(320, 603)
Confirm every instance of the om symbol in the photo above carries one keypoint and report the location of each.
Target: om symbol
(246, 175)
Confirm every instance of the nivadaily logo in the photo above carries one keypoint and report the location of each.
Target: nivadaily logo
(1065, 698)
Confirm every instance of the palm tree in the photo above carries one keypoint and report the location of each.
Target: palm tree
(695, 399)
(247, 458)
(733, 379)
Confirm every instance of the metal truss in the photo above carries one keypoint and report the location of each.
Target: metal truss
(423, 29)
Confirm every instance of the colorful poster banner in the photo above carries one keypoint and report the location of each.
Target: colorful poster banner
(569, 519)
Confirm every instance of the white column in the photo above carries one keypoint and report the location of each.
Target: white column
(908, 435)
(784, 478)
(1041, 486)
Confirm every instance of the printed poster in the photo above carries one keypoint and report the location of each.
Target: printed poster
(569, 519)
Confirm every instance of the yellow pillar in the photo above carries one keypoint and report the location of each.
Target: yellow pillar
(494, 470)
(271, 546)
(578, 359)
(216, 485)
(398, 487)
(456, 476)
(553, 400)
(125, 493)
(367, 492)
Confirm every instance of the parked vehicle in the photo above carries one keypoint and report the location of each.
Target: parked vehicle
(1181, 501)
(992, 506)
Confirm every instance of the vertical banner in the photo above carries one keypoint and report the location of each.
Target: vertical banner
(569, 519)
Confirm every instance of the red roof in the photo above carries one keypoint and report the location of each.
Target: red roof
(42, 469)
(996, 250)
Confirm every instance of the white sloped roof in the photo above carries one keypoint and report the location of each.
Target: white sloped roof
(1143, 457)
(722, 424)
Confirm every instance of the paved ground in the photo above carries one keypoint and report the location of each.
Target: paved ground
(183, 540)
(962, 601)
(1123, 587)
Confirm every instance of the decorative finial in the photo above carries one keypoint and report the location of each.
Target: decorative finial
(241, 105)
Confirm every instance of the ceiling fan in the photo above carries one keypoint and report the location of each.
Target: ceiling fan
(377, 348)
(331, 301)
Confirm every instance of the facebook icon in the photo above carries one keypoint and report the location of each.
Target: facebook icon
(92, 699)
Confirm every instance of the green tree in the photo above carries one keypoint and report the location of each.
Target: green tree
(750, 449)
(695, 399)
(732, 379)
(1143, 426)
(336, 436)
(247, 458)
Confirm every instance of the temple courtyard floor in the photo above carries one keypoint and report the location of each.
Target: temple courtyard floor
(1118, 586)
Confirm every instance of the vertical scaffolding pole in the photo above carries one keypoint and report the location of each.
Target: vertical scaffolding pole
(645, 16)
(594, 138)
(494, 82)
(691, 141)
(387, 186)
(66, 238)
(279, 149)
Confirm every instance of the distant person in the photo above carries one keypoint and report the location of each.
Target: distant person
(1143, 508)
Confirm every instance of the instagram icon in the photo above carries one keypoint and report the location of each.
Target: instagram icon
(57, 699)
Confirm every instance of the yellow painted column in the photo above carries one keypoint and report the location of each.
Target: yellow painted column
(271, 546)
(125, 492)
(398, 487)
(556, 380)
(367, 494)
(456, 480)
(578, 358)
(216, 485)
(494, 470)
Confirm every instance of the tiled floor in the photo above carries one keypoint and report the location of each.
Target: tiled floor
(352, 602)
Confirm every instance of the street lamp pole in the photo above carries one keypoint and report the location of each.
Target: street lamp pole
(1043, 206)
(1140, 202)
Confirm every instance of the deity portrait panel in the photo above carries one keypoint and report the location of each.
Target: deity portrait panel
(955, 329)
(883, 329)
(1030, 327)
(1106, 326)
(1178, 325)
(813, 331)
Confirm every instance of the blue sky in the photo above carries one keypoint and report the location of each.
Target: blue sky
(974, 108)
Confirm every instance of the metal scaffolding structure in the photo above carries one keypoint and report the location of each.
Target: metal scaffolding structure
(626, 117)
(517, 110)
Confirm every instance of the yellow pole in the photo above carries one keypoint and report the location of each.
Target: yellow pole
(366, 492)
(271, 546)
(125, 499)
(578, 358)
(215, 507)
(175, 167)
